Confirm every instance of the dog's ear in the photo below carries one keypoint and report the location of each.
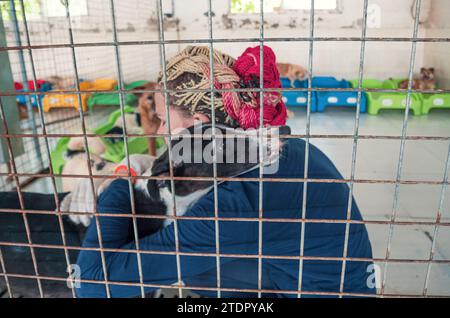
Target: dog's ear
(153, 189)
(431, 69)
(178, 168)
(138, 119)
(76, 143)
(71, 153)
(149, 85)
(138, 94)
(100, 165)
(161, 164)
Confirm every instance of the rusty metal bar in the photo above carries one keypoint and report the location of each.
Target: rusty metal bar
(214, 144)
(19, 194)
(47, 145)
(437, 222)
(127, 153)
(222, 90)
(308, 130)
(86, 146)
(231, 135)
(231, 40)
(24, 76)
(162, 48)
(268, 220)
(402, 143)
(355, 141)
(244, 256)
(231, 289)
(5, 275)
(260, 143)
(234, 179)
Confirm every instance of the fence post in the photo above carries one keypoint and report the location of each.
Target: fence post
(9, 102)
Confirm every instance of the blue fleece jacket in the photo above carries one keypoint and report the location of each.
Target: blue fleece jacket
(239, 199)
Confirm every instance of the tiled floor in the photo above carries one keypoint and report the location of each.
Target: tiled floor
(424, 160)
(378, 159)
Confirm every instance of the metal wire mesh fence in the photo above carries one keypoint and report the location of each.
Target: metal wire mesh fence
(40, 132)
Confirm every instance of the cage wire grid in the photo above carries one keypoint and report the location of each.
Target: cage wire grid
(46, 129)
(42, 31)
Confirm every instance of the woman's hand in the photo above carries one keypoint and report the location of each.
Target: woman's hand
(139, 164)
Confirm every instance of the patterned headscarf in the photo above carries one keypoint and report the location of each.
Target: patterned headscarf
(190, 70)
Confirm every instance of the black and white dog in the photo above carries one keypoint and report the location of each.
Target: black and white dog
(236, 152)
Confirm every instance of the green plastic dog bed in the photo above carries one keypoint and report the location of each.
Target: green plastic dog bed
(435, 101)
(115, 152)
(394, 100)
(367, 83)
(112, 99)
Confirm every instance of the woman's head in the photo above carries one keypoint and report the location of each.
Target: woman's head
(179, 117)
(188, 79)
(189, 74)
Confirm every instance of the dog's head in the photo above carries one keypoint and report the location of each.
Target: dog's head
(77, 144)
(236, 151)
(427, 73)
(77, 161)
(300, 72)
(146, 99)
(146, 108)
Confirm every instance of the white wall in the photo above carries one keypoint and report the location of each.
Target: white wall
(93, 62)
(136, 21)
(340, 59)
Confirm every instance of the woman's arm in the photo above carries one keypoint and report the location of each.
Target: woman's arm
(161, 269)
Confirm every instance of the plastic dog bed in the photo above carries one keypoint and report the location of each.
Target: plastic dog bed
(297, 98)
(435, 101)
(42, 87)
(336, 98)
(67, 100)
(367, 83)
(113, 99)
(19, 86)
(71, 100)
(320, 100)
(394, 100)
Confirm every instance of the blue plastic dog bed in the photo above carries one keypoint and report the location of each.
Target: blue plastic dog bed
(336, 98)
(298, 98)
(21, 99)
(328, 82)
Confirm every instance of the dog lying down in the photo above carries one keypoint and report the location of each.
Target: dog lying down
(192, 156)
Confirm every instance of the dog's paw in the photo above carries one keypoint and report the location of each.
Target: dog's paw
(82, 219)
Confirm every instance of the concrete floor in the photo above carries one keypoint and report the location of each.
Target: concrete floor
(378, 159)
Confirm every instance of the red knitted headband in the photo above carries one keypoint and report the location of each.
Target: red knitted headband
(247, 66)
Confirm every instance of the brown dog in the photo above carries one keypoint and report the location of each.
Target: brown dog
(292, 71)
(146, 108)
(425, 81)
(61, 83)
